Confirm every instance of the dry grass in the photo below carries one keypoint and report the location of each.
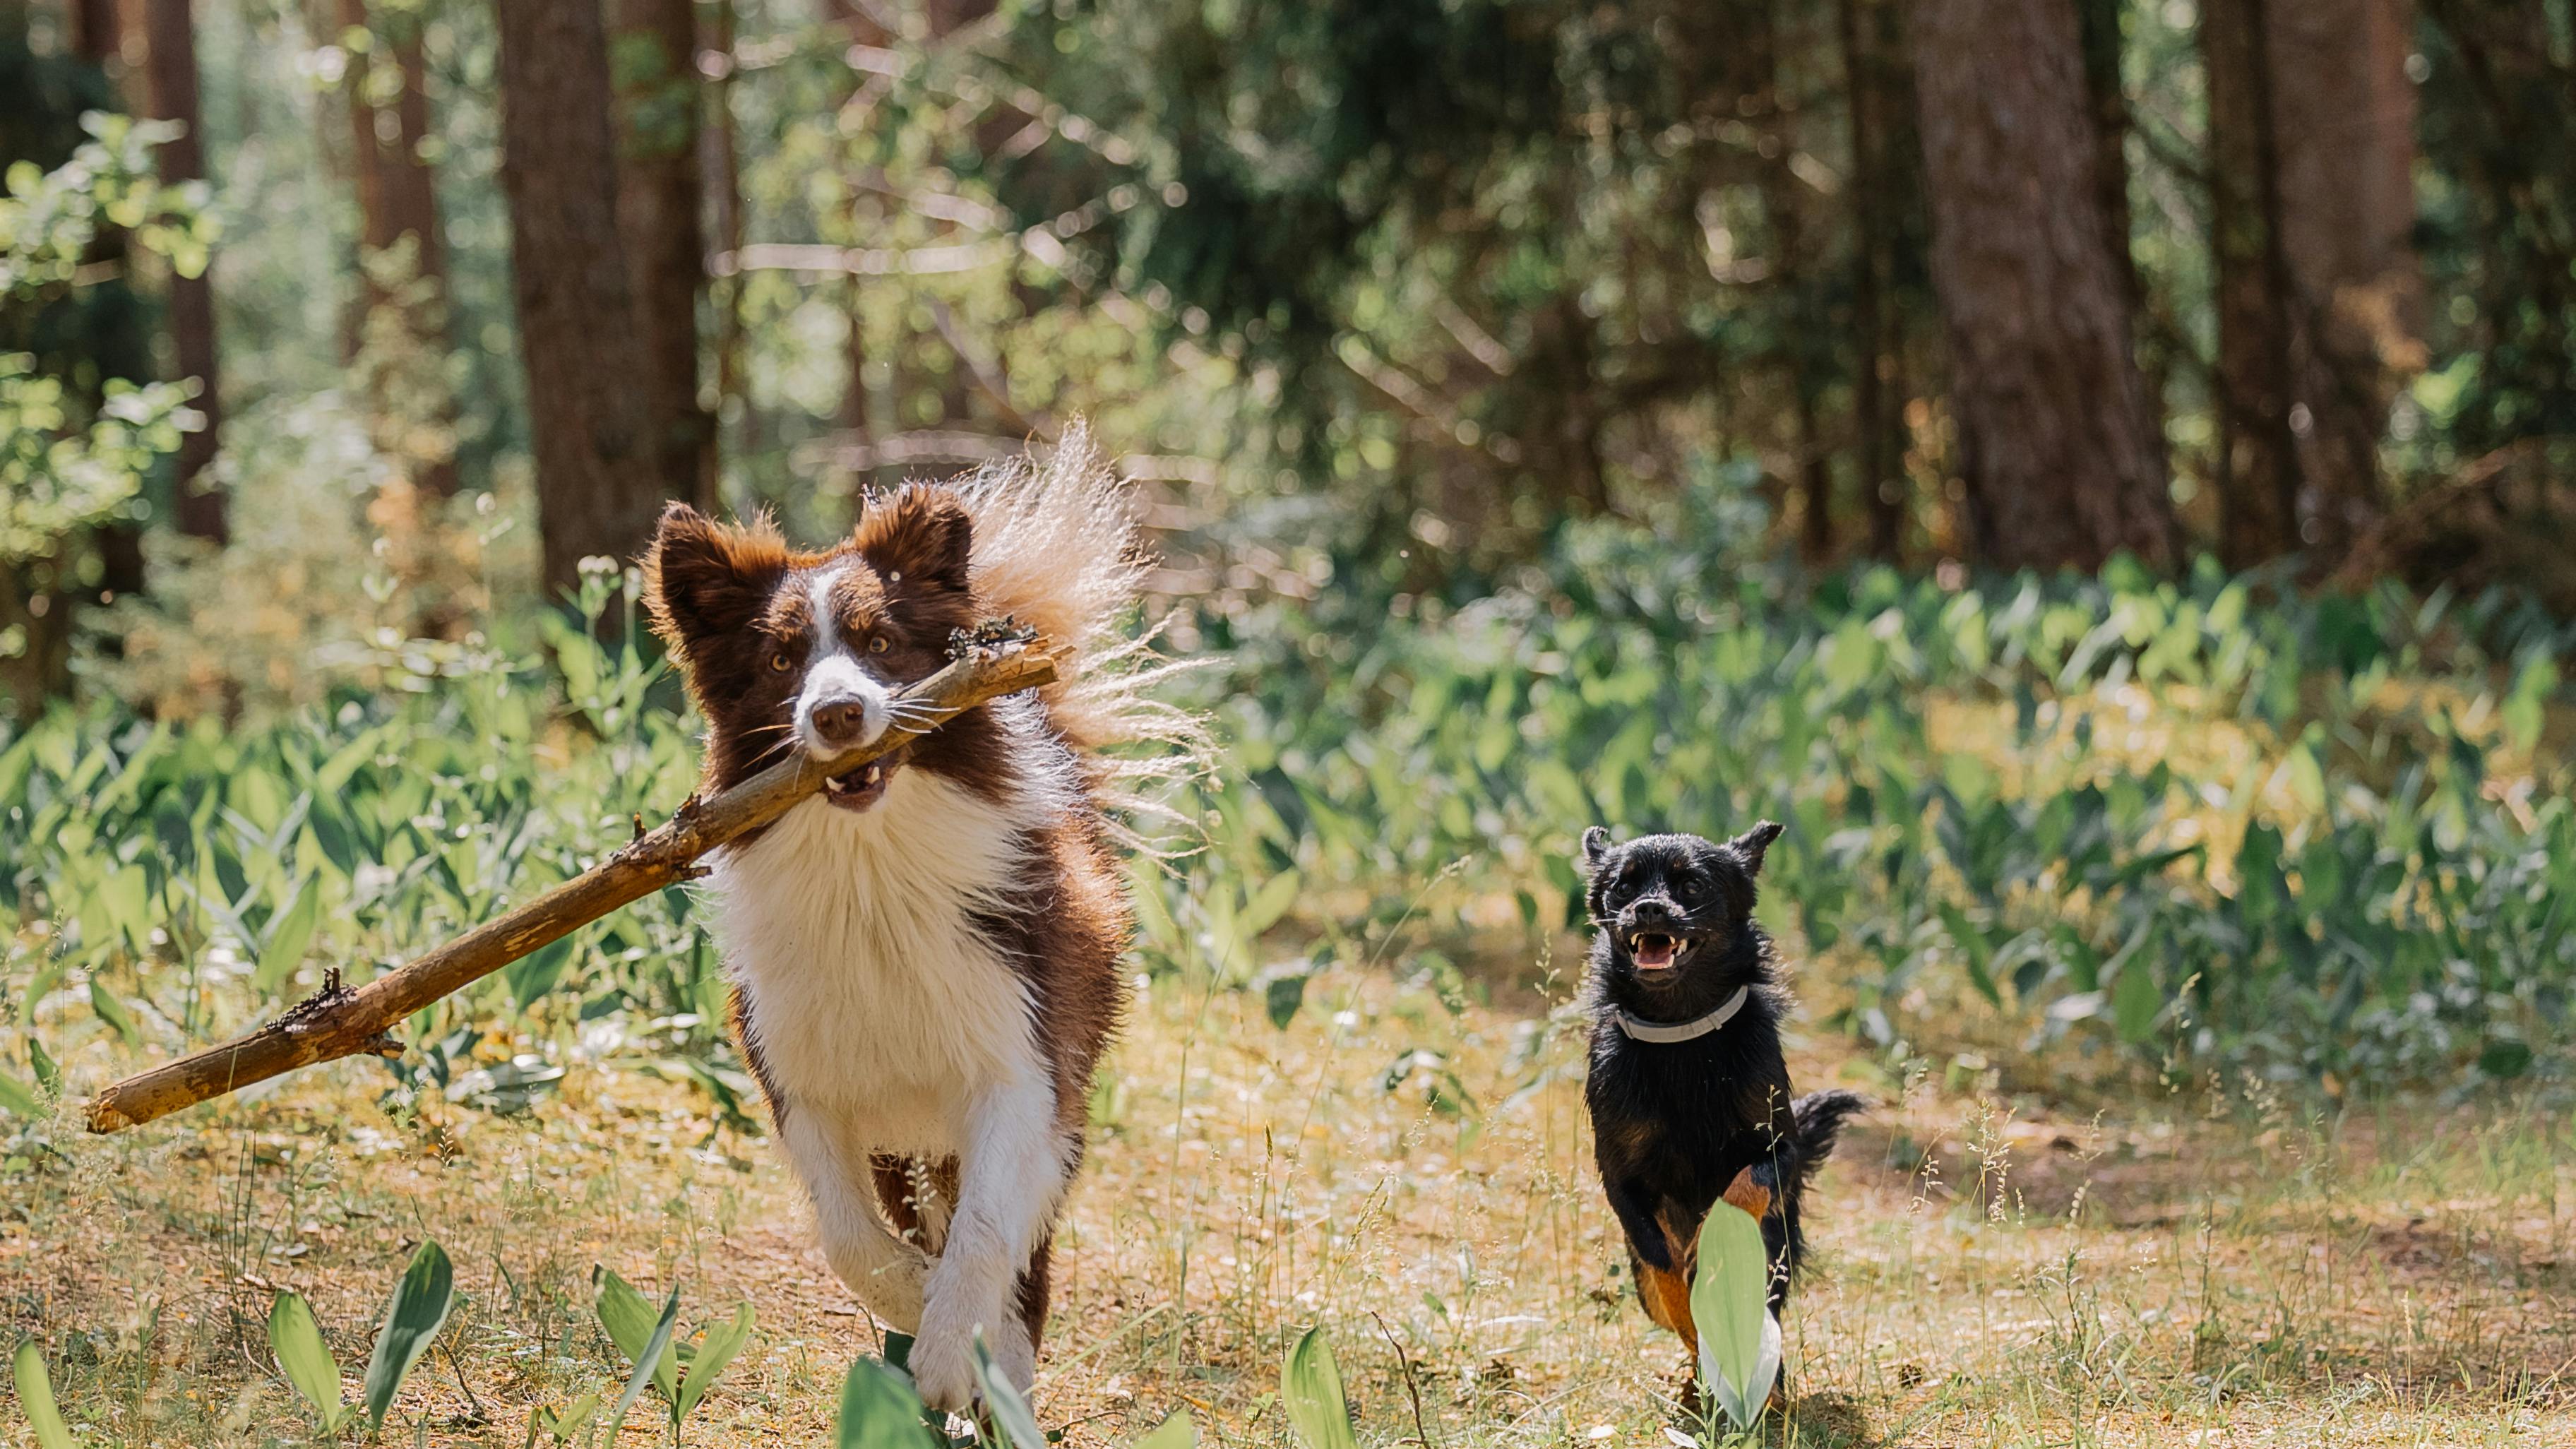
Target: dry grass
(2202, 1270)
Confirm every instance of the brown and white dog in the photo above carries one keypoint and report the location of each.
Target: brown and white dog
(924, 957)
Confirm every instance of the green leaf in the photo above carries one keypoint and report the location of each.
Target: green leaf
(628, 1317)
(715, 1350)
(1014, 1425)
(1739, 1340)
(289, 935)
(305, 1359)
(1311, 1384)
(126, 896)
(1176, 1432)
(535, 974)
(1972, 950)
(112, 1011)
(1268, 905)
(879, 1410)
(36, 1399)
(567, 1421)
(2135, 1003)
(16, 1096)
(413, 1317)
(49, 1075)
(656, 1349)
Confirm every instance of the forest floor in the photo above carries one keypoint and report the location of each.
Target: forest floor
(2201, 1269)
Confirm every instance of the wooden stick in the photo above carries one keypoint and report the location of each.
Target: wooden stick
(339, 1022)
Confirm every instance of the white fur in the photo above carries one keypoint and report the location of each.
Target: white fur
(833, 675)
(889, 1024)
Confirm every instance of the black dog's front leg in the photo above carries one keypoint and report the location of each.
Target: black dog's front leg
(1634, 1206)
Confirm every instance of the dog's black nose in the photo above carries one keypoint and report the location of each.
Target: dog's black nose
(842, 722)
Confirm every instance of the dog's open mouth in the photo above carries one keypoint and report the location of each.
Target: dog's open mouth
(1654, 950)
(863, 787)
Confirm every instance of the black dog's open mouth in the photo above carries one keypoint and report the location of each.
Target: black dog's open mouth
(1654, 950)
(862, 788)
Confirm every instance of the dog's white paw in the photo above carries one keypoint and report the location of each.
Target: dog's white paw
(943, 1364)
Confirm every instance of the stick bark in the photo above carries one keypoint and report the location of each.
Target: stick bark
(340, 1022)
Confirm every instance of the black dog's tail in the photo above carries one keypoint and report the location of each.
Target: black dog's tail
(1819, 1117)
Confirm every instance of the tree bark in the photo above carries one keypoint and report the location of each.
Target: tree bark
(1881, 480)
(170, 85)
(2258, 465)
(597, 493)
(2343, 118)
(2057, 441)
(659, 193)
(342, 1022)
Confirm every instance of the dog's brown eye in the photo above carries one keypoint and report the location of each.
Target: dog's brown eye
(781, 662)
(877, 645)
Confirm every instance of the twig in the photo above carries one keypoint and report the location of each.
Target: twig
(1421, 1432)
(339, 1021)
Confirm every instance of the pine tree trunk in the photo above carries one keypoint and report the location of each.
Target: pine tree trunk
(723, 164)
(398, 203)
(2343, 119)
(2257, 473)
(170, 83)
(659, 193)
(1882, 447)
(596, 493)
(2057, 441)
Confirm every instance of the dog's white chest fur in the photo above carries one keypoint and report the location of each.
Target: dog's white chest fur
(875, 1003)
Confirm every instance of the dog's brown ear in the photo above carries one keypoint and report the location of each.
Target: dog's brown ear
(1596, 844)
(703, 579)
(1749, 846)
(919, 539)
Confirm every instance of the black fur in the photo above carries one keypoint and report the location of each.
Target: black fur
(1674, 1122)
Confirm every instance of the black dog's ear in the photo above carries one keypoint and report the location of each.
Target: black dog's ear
(1749, 846)
(1596, 844)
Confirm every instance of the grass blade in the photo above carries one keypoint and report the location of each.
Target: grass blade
(715, 1350)
(879, 1410)
(648, 1361)
(413, 1318)
(628, 1318)
(36, 1399)
(306, 1360)
(1311, 1384)
(1015, 1424)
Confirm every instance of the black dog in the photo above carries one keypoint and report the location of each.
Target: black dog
(1689, 1094)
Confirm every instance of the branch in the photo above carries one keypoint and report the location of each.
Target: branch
(340, 1022)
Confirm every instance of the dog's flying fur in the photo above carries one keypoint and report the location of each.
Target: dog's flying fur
(1677, 1125)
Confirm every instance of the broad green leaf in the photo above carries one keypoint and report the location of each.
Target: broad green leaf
(567, 1421)
(533, 975)
(16, 1096)
(628, 1318)
(36, 1399)
(49, 1075)
(879, 1410)
(1015, 1425)
(112, 1011)
(413, 1317)
(715, 1350)
(1268, 905)
(1176, 1432)
(288, 938)
(127, 898)
(1972, 951)
(305, 1359)
(1310, 1383)
(656, 1350)
(1739, 1340)
(2135, 1003)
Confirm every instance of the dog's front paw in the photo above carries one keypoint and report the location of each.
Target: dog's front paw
(943, 1364)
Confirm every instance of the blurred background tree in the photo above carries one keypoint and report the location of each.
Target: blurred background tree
(1394, 288)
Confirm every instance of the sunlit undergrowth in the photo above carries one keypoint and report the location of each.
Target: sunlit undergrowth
(2167, 826)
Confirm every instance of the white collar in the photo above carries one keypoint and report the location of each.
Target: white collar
(1656, 1031)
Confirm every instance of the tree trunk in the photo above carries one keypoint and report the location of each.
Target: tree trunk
(2343, 119)
(2057, 442)
(723, 163)
(2257, 474)
(658, 197)
(596, 492)
(170, 83)
(1882, 447)
(398, 205)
